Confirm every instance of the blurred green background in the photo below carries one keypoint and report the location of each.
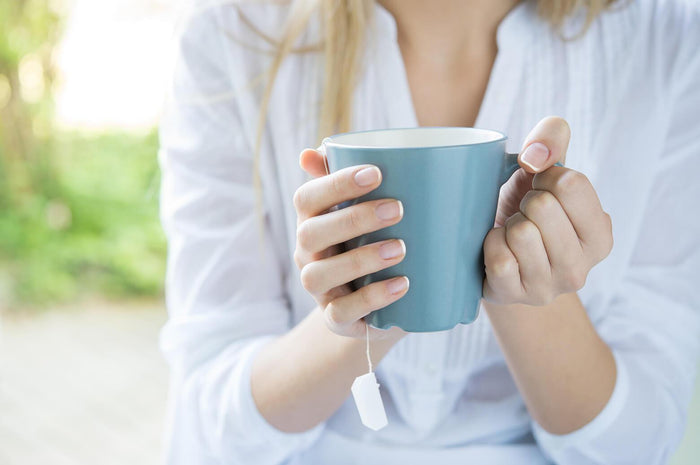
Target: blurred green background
(79, 208)
(82, 254)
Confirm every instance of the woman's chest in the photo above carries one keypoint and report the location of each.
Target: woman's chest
(612, 132)
(447, 95)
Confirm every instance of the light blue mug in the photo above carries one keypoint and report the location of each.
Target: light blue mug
(448, 179)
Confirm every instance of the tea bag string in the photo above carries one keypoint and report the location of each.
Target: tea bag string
(369, 359)
(328, 172)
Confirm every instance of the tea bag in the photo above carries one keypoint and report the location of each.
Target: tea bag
(365, 389)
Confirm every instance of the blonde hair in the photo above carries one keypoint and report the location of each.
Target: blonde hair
(343, 24)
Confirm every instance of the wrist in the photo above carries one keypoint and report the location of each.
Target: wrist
(518, 319)
(491, 307)
(495, 311)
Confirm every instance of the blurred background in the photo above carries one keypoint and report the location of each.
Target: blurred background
(82, 254)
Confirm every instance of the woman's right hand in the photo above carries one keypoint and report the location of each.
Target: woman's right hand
(325, 268)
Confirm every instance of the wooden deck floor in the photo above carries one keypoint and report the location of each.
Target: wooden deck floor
(82, 387)
(88, 387)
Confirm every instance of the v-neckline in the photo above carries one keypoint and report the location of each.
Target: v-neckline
(512, 32)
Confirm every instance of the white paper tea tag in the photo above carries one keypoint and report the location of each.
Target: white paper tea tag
(365, 391)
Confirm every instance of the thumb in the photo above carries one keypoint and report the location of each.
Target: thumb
(313, 162)
(545, 145)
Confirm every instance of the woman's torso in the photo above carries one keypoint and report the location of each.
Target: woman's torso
(453, 388)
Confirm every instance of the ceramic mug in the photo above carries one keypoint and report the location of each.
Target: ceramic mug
(448, 179)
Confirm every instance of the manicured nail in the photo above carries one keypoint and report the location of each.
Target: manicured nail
(397, 285)
(389, 210)
(367, 176)
(535, 156)
(392, 249)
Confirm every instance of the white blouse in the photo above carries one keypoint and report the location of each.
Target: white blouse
(630, 89)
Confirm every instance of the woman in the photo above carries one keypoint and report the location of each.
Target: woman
(264, 342)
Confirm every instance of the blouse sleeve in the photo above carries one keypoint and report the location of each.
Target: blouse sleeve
(225, 298)
(653, 322)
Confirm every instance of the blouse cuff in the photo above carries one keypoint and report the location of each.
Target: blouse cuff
(581, 437)
(256, 425)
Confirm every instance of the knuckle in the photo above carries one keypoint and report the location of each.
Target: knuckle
(305, 235)
(574, 279)
(338, 184)
(608, 220)
(609, 244)
(539, 203)
(603, 244)
(334, 317)
(492, 239)
(298, 258)
(522, 232)
(368, 297)
(309, 279)
(490, 236)
(501, 265)
(604, 249)
(354, 219)
(299, 199)
(357, 263)
(571, 180)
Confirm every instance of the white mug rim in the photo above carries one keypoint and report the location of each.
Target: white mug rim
(447, 136)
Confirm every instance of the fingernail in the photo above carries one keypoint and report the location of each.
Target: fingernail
(535, 156)
(367, 176)
(397, 285)
(392, 249)
(389, 210)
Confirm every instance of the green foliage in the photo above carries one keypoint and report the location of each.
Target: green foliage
(98, 233)
(30, 30)
(78, 212)
(28, 26)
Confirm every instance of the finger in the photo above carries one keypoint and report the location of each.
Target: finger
(502, 284)
(579, 200)
(525, 241)
(318, 195)
(320, 276)
(563, 247)
(320, 232)
(313, 162)
(510, 194)
(545, 145)
(302, 256)
(346, 311)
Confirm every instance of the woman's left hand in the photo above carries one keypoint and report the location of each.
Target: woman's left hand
(550, 227)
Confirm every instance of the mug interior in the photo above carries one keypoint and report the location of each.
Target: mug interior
(415, 137)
